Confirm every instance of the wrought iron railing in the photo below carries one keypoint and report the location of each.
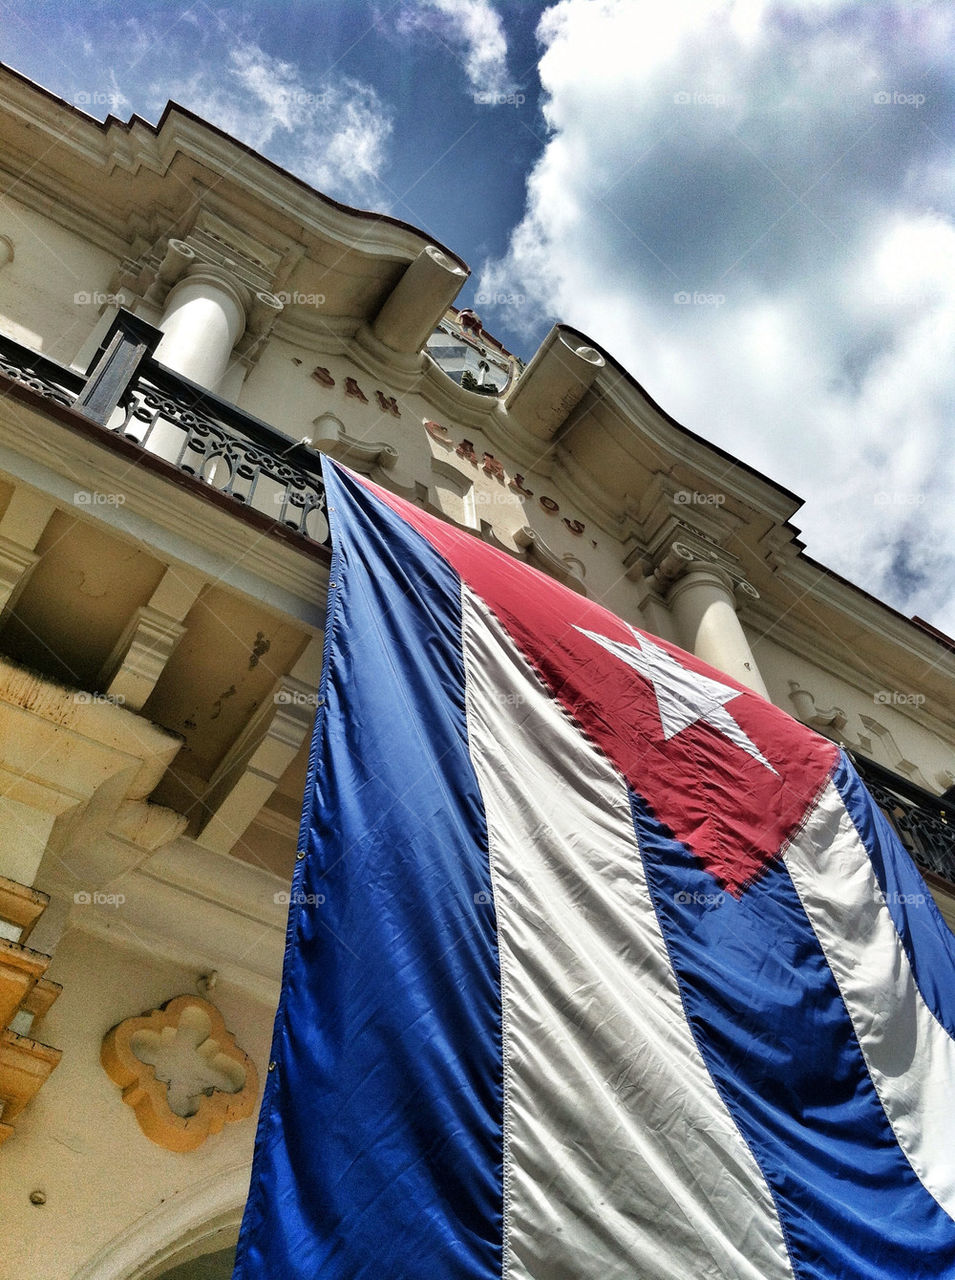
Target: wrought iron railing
(925, 823)
(233, 454)
(38, 373)
(228, 451)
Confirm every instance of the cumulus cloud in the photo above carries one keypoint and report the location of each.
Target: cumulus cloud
(473, 31)
(752, 207)
(333, 133)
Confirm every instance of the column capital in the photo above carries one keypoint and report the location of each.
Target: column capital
(702, 592)
(680, 565)
(213, 276)
(221, 257)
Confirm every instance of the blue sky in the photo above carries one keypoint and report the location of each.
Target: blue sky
(751, 203)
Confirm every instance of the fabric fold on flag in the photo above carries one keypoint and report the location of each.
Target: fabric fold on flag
(599, 966)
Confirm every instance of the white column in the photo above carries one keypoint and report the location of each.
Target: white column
(204, 317)
(704, 608)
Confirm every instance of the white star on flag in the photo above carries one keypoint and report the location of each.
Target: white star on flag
(683, 697)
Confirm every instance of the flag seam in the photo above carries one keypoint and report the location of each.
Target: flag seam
(493, 873)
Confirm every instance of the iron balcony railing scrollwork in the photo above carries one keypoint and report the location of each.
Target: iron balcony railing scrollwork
(38, 373)
(231, 453)
(925, 823)
(234, 454)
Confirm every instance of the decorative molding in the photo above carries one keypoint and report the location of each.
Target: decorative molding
(540, 556)
(833, 720)
(673, 565)
(21, 907)
(330, 437)
(181, 1071)
(176, 911)
(150, 826)
(816, 646)
(25, 996)
(16, 565)
(893, 751)
(212, 248)
(25, 1067)
(252, 768)
(681, 558)
(69, 762)
(139, 658)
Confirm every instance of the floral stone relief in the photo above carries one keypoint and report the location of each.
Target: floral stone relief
(181, 1072)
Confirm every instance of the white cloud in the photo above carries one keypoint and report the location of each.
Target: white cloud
(746, 151)
(473, 31)
(333, 133)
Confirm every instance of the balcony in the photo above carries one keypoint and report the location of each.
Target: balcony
(925, 823)
(127, 399)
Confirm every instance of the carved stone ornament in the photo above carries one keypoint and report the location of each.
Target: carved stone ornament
(181, 1072)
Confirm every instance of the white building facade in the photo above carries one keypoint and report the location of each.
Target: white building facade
(184, 328)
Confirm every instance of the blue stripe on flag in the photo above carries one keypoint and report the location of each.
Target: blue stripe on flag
(777, 1040)
(927, 939)
(379, 1152)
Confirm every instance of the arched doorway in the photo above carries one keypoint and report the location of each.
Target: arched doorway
(189, 1237)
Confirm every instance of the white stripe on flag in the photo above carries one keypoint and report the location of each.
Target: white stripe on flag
(620, 1158)
(910, 1056)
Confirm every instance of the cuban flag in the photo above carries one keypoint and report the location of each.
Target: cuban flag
(599, 966)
